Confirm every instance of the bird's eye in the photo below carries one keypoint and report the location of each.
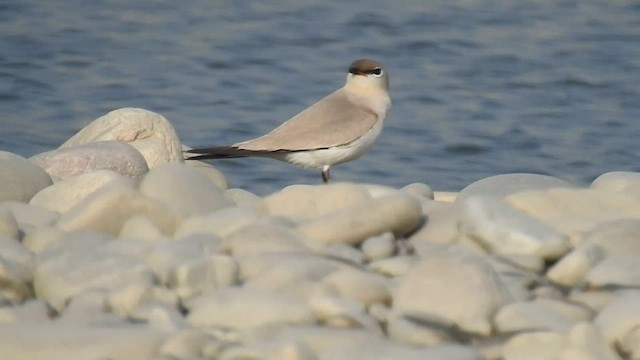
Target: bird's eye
(377, 72)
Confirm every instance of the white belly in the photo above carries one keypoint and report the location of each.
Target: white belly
(317, 159)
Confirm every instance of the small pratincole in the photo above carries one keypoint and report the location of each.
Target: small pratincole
(339, 128)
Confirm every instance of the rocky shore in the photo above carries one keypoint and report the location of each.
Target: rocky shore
(114, 247)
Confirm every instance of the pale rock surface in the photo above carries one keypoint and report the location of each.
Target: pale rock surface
(20, 179)
(60, 275)
(622, 181)
(335, 311)
(140, 227)
(630, 344)
(572, 268)
(397, 213)
(441, 225)
(150, 133)
(574, 312)
(419, 332)
(502, 229)
(616, 270)
(8, 224)
(65, 194)
(183, 188)
(593, 299)
(530, 316)
(303, 202)
(619, 317)
(245, 199)
(80, 342)
(379, 247)
(29, 312)
(220, 223)
(82, 159)
(243, 308)
(160, 317)
(262, 237)
(574, 211)
(127, 299)
(534, 346)
(187, 344)
(346, 253)
(616, 237)
(28, 216)
(361, 286)
(16, 270)
(500, 186)
(215, 176)
(419, 189)
(453, 285)
(191, 279)
(107, 210)
(393, 266)
(586, 343)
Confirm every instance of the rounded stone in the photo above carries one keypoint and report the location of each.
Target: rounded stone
(502, 185)
(262, 237)
(525, 315)
(620, 316)
(65, 194)
(623, 181)
(614, 271)
(419, 189)
(102, 155)
(220, 223)
(8, 224)
(215, 176)
(20, 179)
(183, 188)
(379, 247)
(150, 133)
(534, 345)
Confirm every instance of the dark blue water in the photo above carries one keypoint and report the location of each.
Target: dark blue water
(479, 87)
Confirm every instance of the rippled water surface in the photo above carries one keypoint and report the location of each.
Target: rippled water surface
(478, 87)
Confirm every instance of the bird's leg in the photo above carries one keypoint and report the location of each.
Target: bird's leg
(325, 174)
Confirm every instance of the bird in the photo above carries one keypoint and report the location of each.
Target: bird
(338, 128)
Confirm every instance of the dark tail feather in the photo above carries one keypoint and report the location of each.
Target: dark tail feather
(223, 152)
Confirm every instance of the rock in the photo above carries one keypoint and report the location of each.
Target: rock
(630, 344)
(72, 161)
(141, 227)
(28, 216)
(65, 194)
(572, 269)
(220, 223)
(394, 266)
(31, 311)
(16, 267)
(530, 316)
(622, 181)
(379, 247)
(337, 311)
(215, 176)
(419, 189)
(534, 346)
(346, 253)
(126, 300)
(20, 179)
(262, 237)
(43, 341)
(244, 198)
(587, 343)
(500, 186)
(363, 287)
(593, 300)
(617, 270)
(575, 211)
(60, 275)
(8, 224)
(417, 332)
(191, 279)
(187, 344)
(441, 225)
(616, 237)
(183, 188)
(304, 202)
(455, 286)
(619, 317)
(243, 308)
(107, 210)
(504, 230)
(397, 213)
(160, 317)
(574, 312)
(150, 133)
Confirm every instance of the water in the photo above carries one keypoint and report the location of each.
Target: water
(479, 87)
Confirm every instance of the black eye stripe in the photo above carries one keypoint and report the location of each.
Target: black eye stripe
(376, 71)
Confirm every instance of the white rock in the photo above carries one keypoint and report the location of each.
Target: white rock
(64, 194)
(244, 198)
(337, 311)
(31, 311)
(346, 253)
(619, 317)
(441, 225)
(525, 315)
(160, 317)
(594, 300)
(129, 298)
(453, 285)
(630, 344)
(29, 216)
(622, 181)
(416, 333)
(186, 344)
(8, 224)
(397, 213)
(215, 176)
(141, 227)
(63, 274)
(107, 210)
(262, 237)
(616, 237)
(572, 268)
(20, 179)
(574, 312)
(379, 247)
(183, 188)
(587, 343)
(15, 275)
(419, 189)
(364, 287)
(534, 346)
(574, 211)
(43, 342)
(194, 278)
(220, 223)
(499, 186)
(82, 159)
(394, 266)
(303, 202)
(504, 230)
(150, 133)
(243, 308)
(617, 270)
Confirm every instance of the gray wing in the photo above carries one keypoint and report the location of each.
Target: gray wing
(334, 120)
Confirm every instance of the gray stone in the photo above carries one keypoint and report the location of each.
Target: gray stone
(419, 189)
(586, 342)
(363, 287)
(394, 266)
(150, 133)
(622, 181)
(215, 176)
(30, 312)
(141, 227)
(191, 279)
(82, 159)
(28, 216)
(617, 270)
(500, 186)
(8, 224)
(530, 316)
(262, 237)
(346, 253)
(183, 188)
(619, 317)
(379, 247)
(65, 194)
(534, 346)
(220, 223)
(20, 179)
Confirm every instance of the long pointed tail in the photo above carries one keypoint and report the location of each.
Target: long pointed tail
(222, 152)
